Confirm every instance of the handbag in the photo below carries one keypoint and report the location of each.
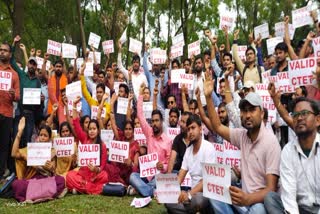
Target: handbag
(41, 189)
(114, 189)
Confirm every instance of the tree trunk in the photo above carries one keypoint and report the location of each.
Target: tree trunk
(144, 25)
(184, 24)
(169, 29)
(83, 37)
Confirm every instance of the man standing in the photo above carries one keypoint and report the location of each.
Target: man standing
(9, 92)
(281, 51)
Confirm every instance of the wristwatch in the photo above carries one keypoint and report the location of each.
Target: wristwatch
(189, 196)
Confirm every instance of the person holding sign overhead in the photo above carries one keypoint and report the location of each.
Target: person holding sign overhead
(36, 183)
(89, 179)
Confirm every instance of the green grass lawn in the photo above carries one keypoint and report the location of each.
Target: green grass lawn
(81, 204)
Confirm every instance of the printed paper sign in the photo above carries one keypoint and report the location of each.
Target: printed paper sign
(69, 51)
(300, 71)
(187, 182)
(118, 151)
(64, 146)
(180, 76)
(54, 48)
(140, 137)
(228, 154)
(262, 90)
(194, 49)
(94, 40)
(98, 57)
(88, 154)
(242, 52)
(216, 182)
(73, 90)
(70, 107)
(175, 75)
(172, 132)
(176, 51)
(122, 105)
(178, 40)
(148, 165)
(31, 96)
(147, 109)
(226, 20)
(38, 153)
(158, 56)
(88, 72)
(301, 17)
(272, 43)
(135, 46)
(123, 37)
(283, 83)
(168, 188)
(265, 76)
(40, 62)
(140, 202)
(78, 63)
(94, 112)
(280, 30)
(263, 30)
(108, 46)
(316, 47)
(107, 136)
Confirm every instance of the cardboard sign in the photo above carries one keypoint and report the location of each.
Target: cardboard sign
(88, 71)
(140, 202)
(73, 90)
(283, 83)
(122, 105)
(301, 17)
(148, 165)
(135, 46)
(300, 71)
(64, 146)
(194, 49)
(316, 47)
(176, 51)
(147, 109)
(94, 112)
(216, 182)
(158, 56)
(69, 51)
(242, 52)
(140, 137)
(226, 20)
(107, 136)
(168, 188)
(262, 90)
(94, 40)
(263, 30)
(187, 181)
(54, 48)
(88, 154)
(123, 37)
(40, 62)
(108, 46)
(280, 32)
(38, 153)
(98, 57)
(178, 40)
(172, 132)
(31, 96)
(272, 43)
(118, 151)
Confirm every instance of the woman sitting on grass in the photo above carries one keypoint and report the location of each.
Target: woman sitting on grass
(89, 179)
(36, 183)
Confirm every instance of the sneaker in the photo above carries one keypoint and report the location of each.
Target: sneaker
(131, 190)
(63, 193)
(6, 173)
(74, 192)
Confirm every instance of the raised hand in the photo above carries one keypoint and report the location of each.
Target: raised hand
(142, 86)
(286, 19)
(16, 39)
(311, 36)
(236, 34)
(22, 124)
(38, 53)
(208, 86)
(32, 51)
(55, 107)
(208, 33)
(222, 47)
(22, 47)
(272, 91)
(76, 101)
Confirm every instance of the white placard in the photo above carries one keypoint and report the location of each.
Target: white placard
(108, 46)
(107, 136)
(316, 47)
(140, 202)
(94, 40)
(5, 80)
(123, 37)
(31, 96)
(242, 52)
(216, 182)
(272, 43)
(175, 75)
(118, 151)
(280, 30)
(147, 109)
(194, 49)
(140, 137)
(158, 56)
(70, 107)
(172, 132)
(69, 51)
(302, 17)
(178, 40)
(122, 105)
(267, 102)
(88, 154)
(228, 154)
(176, 51)
(98, 57)
(187, 181)
(300, 71)
(227, 20)
(135, 46)
(73, 90)
(38, 153)
(168, 188)
(94, 112)
(148, 165)
(78, 63)
(263, 30)
(40, 62)
(64, 146)
(54, 48)
(88, 72)
(283, 83)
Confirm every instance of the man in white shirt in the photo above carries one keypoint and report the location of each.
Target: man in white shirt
(300, 164)
(199, 151)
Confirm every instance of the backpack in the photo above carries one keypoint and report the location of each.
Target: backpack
(259, 71)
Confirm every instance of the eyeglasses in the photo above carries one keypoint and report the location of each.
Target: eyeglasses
(170, 102)
(304, 114)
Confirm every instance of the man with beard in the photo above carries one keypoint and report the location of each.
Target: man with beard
(199, 75)
(9, 92)
(260, 154)
(300, 164)
(157, 142)
(199, 151)
(180, 144)
(138, 76)
(281, 51)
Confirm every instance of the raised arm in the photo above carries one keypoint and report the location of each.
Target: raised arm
(145, 127)
(235, 54)
(306, 44)
(184, 92)
(112, 117)
(202, 113)
(287, 40)
(15, 148)
(129, 108)
(213, 61)
(155, 95)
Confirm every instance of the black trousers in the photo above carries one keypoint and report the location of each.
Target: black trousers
(5, 134)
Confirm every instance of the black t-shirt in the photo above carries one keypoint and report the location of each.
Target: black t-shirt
(180, 147)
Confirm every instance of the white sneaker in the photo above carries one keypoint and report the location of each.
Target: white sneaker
(63, 193)
(6, 173)
(74, 191)
(131, 190)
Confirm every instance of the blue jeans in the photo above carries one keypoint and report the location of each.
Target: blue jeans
(273, 203)
(142, 185)
(221, 207)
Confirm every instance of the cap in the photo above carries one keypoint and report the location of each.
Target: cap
(251, 98)
(33, 59)
(249, 84)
